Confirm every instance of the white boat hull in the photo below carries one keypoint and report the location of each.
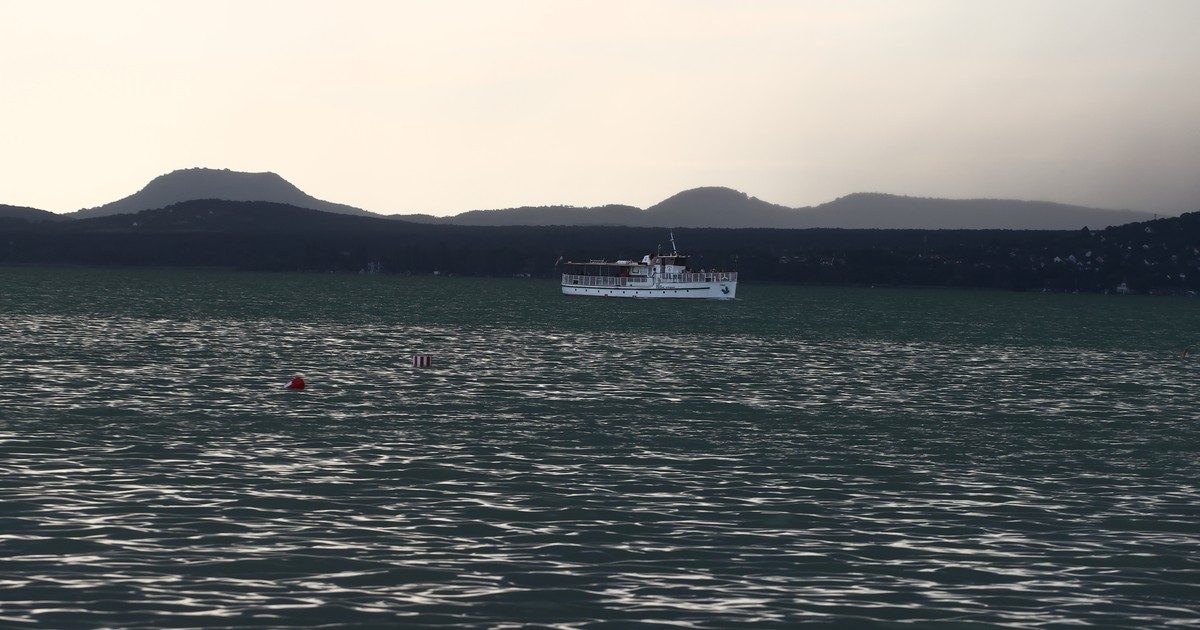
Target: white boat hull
(667, 290)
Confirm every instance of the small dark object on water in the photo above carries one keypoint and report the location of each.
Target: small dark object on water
(296, 383)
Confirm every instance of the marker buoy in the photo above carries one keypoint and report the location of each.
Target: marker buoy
(296, 383)
(422, 360)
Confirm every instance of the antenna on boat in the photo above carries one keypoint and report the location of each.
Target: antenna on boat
(674, 250)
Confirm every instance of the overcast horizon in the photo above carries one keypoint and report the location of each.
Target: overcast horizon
(448, 107)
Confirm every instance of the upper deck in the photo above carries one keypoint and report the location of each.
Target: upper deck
(634, 281)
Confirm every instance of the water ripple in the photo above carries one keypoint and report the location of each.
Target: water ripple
(154, 473)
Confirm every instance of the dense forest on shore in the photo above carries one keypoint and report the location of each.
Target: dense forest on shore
(1160, 256)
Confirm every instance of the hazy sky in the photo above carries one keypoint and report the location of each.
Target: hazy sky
(448, 106)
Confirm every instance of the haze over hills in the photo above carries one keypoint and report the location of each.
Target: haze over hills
(210, 183)
(708, 207)
(878, 210)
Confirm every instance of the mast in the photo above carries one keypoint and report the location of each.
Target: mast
(674, 250)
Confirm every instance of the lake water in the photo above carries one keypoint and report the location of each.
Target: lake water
(854, 457)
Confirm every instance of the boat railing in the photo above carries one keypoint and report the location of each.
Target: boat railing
(625, 281)
(708, 276)
(602, 281)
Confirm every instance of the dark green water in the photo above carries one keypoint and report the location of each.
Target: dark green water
(850, 457)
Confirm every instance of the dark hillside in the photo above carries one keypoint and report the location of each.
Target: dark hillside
(27, 214)
(1156, 256)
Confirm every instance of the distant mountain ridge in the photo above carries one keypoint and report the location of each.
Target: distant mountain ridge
(209, 183)
(707, 207)
(879, 210)
(718, 207)
(612, 215)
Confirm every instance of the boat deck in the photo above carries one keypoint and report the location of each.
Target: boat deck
(637, 281)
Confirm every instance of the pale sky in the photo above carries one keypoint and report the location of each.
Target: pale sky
(442, 107)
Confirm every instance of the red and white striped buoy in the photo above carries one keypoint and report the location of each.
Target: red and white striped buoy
(422, 360)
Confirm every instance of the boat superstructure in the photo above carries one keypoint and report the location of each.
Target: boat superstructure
(654, 276)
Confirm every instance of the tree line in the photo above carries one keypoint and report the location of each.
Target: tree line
(1154, 256)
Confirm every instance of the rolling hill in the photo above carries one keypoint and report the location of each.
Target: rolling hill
(208, 183)
(707, 207)
(26, 213)
(877, 210)
(717, 207)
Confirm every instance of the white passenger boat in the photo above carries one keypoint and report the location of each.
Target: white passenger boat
(654, 276)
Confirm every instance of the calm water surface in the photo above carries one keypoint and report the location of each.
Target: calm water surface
(849, 457)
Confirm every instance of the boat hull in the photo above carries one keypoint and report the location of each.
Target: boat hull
(673, 290)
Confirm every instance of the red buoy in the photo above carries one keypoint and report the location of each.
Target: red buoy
(297, 383)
